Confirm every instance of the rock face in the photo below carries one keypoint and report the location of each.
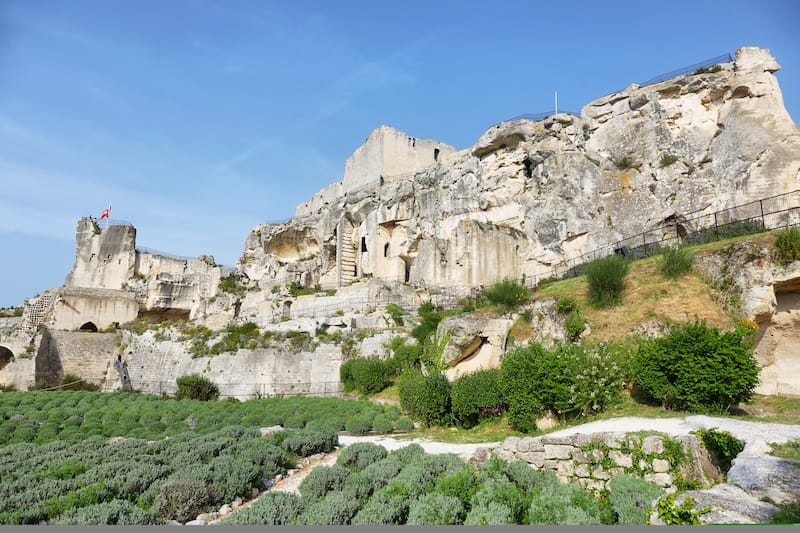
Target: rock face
(530, 195)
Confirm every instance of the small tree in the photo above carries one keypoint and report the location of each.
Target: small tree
(507, 293)
(195, 387)
(697, 368)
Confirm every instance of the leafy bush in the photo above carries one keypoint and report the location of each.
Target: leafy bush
(434, 509)
(382, 424)
(489, 514)
(380, 473)
(565, 305)
(183, 499)
(384, 508)
(429, 321)
(425, 397)
(606, 278)
(477, 396)
(271, 509)
(574, 325)
(507, 293)
(403, 424)
(675, 262)
(571, 380)
(396, 312)
(360, 424)
(632, 498)
(195, 387)
(697, 368)
(787, 245)
(115, 512)
(724, 446)
(322, 480)
(359, 455)
(679, 515)
(461, 485)
(336, 509)
(366, 375)
(311, 441)
(567, 504)
(500, 490)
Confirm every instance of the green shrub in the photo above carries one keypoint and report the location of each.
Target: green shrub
(360, 455)
(310, 441)
(489, 514)
(396, 312)
(360, 423)
(381, 472)
(500, 490)
(567, 504)
(476, 396)
(697, 368)
(183, 499)
(271, 509)
(322, 480)
(195, 387)
(434, 509)
(632, 498)
(507, 293)
(115, 512)
(336, 509)
(403, 424)
(384, 508)
(565, 305)
(529, 479)
(574, 325)
(461, 485)
(571, 380)
(679, 515)
(675, 262)
(722, 445)
(366, 375)
(429, 321)
(606, 278)
(787, 245)
(405, 357)
(382, 424)
(425, 397)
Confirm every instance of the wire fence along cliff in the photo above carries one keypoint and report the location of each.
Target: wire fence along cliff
(151, 251)
(691, 69)
(769, 213)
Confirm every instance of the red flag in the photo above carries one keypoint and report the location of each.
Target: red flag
(106, 213)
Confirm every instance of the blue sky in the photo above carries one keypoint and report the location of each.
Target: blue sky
(199, 119)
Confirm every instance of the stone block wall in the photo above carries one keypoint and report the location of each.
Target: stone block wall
(593, 460)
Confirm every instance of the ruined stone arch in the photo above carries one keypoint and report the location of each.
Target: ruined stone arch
(6, 356)
(88, 326)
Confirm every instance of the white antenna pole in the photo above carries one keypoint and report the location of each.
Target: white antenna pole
(556, 103)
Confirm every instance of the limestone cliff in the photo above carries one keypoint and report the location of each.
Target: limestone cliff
(530, 195)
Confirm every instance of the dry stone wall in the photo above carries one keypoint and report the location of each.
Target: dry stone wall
(593, 460)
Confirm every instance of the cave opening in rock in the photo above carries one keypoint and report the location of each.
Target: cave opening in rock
(6, 356)
(88, 326)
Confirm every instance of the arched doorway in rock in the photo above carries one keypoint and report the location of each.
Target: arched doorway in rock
(287, 310)
(6, 356)
(88, 326)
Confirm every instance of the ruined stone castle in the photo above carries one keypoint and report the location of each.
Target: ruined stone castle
(414, 220)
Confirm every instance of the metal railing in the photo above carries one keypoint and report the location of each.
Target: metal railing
(151, 251)
(724, 58)
(698, 227)
(537, 116)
